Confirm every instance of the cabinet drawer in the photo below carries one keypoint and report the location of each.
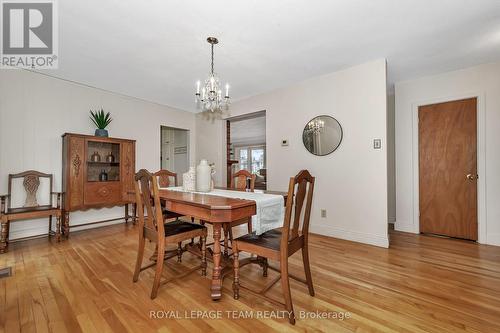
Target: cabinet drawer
(103, 193)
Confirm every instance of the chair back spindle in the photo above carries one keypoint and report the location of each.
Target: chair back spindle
(300, 192)
(148, 201)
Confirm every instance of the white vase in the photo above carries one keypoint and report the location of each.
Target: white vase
(189, 180)
(203, 176)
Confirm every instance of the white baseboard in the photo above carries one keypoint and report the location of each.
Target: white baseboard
(355, 236)
(493, 239)
(77, 227)
(30, 228)
(405, 227)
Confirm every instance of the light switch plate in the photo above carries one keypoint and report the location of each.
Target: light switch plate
(377, 143)
(284, 142)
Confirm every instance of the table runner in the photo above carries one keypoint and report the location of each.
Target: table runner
(270, 210)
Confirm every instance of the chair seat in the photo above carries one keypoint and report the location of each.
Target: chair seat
(22, 213)
(270, 239)
(179, 227)
(30, 209)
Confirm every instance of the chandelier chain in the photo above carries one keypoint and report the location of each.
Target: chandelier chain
(212, 59)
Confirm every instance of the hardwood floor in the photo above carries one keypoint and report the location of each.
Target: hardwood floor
(420, 284)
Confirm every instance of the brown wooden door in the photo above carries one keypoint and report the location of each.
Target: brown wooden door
(448, 168)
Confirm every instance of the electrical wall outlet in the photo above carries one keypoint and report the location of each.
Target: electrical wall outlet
(377, 143)
(323, 213)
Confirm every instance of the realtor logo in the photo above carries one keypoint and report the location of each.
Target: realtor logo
(29, 34)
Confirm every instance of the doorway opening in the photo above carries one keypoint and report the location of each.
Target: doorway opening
(246, 147)
(447, 149)
(174, 146)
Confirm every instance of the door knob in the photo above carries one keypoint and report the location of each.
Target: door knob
(470, 176)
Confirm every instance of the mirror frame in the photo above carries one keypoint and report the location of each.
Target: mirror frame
(341, 135)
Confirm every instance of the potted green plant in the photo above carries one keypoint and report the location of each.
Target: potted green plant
(101, 120)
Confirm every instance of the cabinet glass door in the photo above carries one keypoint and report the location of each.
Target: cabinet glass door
(103, 161)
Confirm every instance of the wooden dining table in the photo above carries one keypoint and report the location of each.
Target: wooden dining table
(216, 210)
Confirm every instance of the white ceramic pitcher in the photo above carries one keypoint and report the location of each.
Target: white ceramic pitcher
(203, 176)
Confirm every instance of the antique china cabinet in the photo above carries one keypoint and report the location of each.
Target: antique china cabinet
(97, 172)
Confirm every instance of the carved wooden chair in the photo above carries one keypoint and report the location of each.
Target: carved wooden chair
(168, 178)
(30, 209)
(241, 180)
(152, 227)
(280, 244)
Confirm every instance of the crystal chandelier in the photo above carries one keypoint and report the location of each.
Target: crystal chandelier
(316, 126)
(210, 97)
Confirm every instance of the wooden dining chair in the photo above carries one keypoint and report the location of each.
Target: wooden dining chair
(280, 244)
(30, 209)
(152, 227)
(168, 178)
(241, 180)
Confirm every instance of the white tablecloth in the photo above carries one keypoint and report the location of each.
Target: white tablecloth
(270, 212)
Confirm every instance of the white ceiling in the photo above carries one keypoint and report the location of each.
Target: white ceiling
(156, 50)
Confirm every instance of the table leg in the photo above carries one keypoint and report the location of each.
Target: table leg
(66, 225)
(58, 228)
(134, 219)
(126, 213)
(216, 289)
(4, 236)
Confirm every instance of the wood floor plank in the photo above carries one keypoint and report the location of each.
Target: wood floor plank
(84, 284)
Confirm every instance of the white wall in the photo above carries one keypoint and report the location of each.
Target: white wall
(391, 159)
(481, 81)
(211, 145)
(36, 109)
(351, 183)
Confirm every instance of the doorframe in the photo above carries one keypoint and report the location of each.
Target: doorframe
(481, 158)
(188, 142)
(242, 116)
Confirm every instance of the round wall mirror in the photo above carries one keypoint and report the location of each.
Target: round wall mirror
(322, 135)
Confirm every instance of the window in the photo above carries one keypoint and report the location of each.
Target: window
(243, 158)
(251, 158)
(257, 159)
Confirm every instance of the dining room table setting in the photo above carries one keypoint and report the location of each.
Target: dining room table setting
(220, 207)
